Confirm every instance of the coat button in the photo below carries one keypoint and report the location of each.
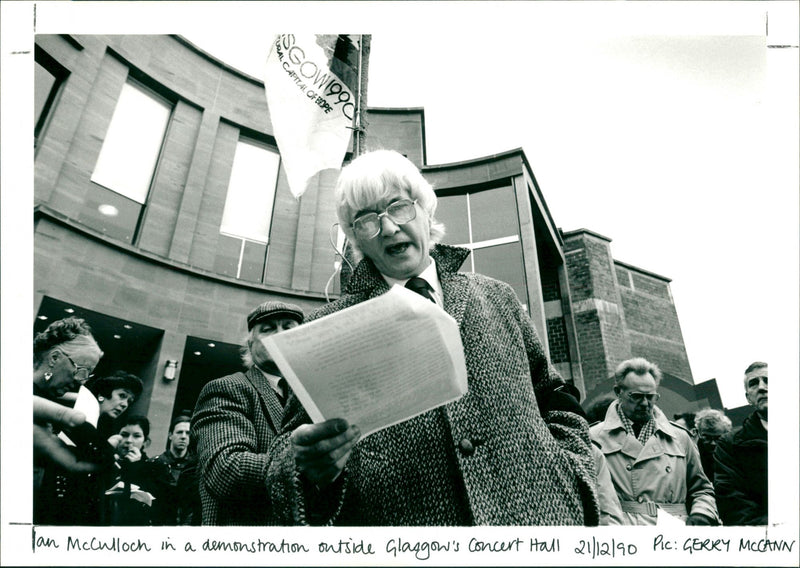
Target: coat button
(629, 467)
(669, 468)
(640, 499)
(466, 447)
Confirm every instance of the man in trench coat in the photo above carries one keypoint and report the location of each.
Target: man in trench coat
(654, 464)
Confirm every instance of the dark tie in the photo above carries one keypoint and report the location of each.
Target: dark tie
(421, 287)
(283, 386)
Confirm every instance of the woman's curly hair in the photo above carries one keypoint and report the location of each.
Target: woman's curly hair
(59, 332)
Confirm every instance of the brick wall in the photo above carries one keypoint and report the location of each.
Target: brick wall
(596, 305)
(551, 288)
(558, 343)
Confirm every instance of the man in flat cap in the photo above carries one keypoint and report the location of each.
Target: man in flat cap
(235, 420)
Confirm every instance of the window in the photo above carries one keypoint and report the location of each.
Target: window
(244, 231)
(132, 144)
(48, 77)
(124, 171)
(487, 222)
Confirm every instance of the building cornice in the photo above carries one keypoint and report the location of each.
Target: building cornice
(642, 271)
(42, 211)
(568, 234)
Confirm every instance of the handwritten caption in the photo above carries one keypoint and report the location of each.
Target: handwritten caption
(420, 550)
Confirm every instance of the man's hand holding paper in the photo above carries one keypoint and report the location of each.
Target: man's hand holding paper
(365, 368)
(374, 364)
(322, 450)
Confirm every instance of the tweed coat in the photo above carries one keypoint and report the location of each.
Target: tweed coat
(489, 458)
(740, 477)
(235, 420)
(665, 471)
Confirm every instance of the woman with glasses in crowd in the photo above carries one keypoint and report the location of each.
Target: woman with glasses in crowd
(64, 357)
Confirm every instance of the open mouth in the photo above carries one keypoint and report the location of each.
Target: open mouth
(399, 248)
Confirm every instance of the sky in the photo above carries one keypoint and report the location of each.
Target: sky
(671, 131)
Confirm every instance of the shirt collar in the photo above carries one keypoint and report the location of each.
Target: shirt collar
(613, 420)
(273, 381)
(429, 275)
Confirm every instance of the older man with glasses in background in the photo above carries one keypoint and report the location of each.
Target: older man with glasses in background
(654, 464)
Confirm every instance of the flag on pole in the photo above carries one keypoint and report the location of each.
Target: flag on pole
(312, 87)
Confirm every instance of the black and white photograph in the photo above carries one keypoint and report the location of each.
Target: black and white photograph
(400, 283)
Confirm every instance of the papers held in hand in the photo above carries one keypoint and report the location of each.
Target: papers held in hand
(86, 403)
(137, 493)
(375, 364)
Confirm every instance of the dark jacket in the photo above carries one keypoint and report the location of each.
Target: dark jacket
(740, 474)
(235, 420)
(173, 507)
(489, 458)
(123, 507)
(67, 498)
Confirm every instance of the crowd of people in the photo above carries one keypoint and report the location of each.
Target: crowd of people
(92, 475)
(516, 449)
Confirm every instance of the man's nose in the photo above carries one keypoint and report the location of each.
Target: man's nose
(388, 227)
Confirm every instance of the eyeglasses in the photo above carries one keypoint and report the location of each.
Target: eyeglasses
(754, 382)
(710, 438)
(640, 396)
(368, 226)
(80, 370)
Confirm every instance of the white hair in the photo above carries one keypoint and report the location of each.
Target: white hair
(375, 176)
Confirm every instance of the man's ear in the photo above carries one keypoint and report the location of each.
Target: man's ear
(146, 444)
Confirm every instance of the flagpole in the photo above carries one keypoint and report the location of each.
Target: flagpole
(359, 146)
(360, 131)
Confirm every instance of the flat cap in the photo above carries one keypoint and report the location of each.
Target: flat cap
(271, 309)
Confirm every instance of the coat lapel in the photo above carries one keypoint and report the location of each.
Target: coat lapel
(455, 296)
(268, 397)
(367, 280)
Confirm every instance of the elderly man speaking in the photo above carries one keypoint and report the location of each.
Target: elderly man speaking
(654, 464)
(513, 451)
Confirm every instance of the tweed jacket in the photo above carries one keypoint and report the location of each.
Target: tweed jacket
(489, 458)
(235, 420)
(740, 477)
(665, 471)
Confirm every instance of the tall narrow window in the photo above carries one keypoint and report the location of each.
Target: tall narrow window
(244, 231)
(487, 222)
(127, 162)
(133, 143)
(48, 78)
